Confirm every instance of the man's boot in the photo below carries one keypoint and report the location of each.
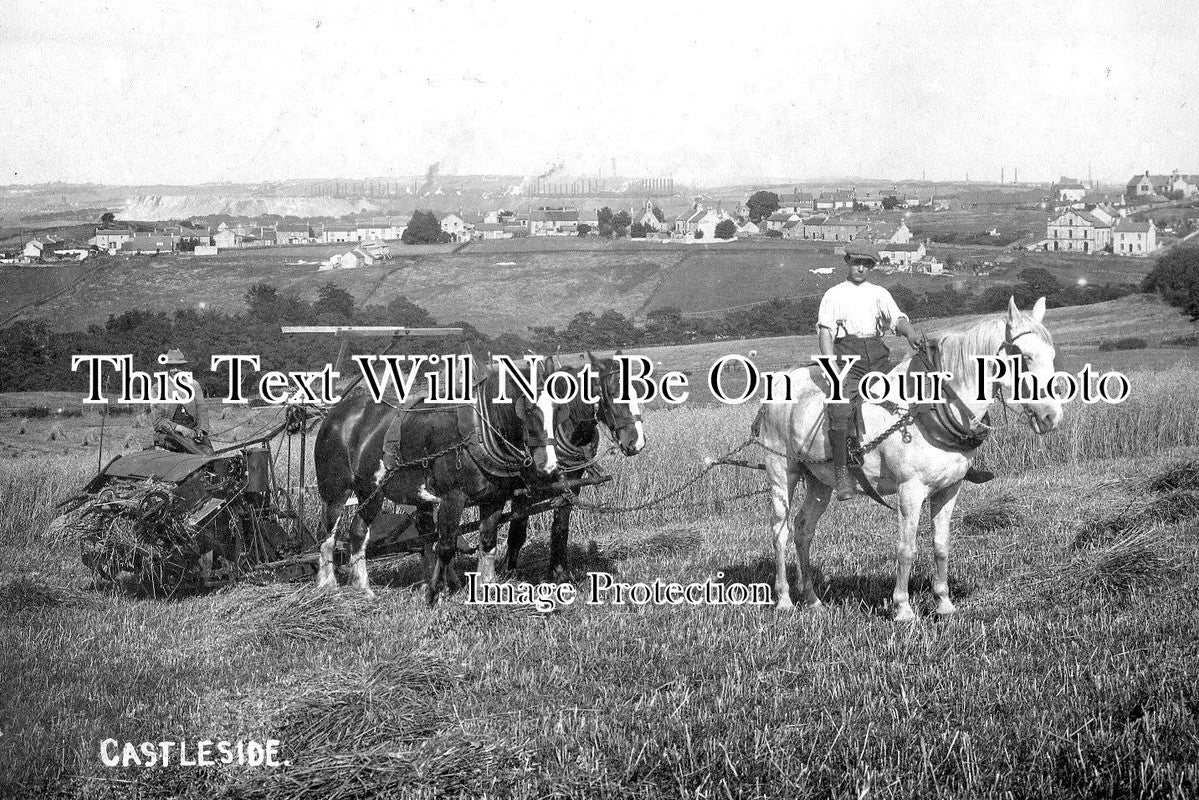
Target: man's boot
(845, 488)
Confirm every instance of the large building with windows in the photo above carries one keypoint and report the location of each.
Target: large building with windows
(1079, 231)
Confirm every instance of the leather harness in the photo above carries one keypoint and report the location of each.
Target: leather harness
(936, 422)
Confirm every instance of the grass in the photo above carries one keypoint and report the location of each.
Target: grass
(1071, 670)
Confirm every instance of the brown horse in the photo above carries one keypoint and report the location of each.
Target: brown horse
(576, 432)
(465, 454)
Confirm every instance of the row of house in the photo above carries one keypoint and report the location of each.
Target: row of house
(127, 240)
(697, 222)
(1097, 230)
(797, 202)
(1154, 187)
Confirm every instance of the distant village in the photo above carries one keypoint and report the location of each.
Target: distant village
(1086, 222)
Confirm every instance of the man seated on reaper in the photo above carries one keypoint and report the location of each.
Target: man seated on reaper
(181, 427)
(853, 317)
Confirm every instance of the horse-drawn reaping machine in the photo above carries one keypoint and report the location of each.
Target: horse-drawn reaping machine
(160, 522)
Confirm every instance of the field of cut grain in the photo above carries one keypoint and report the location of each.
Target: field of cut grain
(1070, 670)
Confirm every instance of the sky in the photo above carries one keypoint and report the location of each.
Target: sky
(708, 93)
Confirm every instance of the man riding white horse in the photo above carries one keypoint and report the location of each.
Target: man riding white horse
(917, 451)
(854, 314)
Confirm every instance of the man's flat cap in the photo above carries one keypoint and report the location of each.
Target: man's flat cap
(861, 248)
(173, 357)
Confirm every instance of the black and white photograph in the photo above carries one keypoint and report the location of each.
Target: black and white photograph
(469, 399)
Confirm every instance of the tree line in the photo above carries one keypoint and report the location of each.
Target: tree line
(789, 316)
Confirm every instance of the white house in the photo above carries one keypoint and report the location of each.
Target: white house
(546, 221)
(701, 221)
(381, 230)
(1068, 190)
(224, 238)
(39, 247)
(797, 202)
(901, 255)
(112, 238)
(455, 226)
(491, 230)
(1134, 238)
(339, 232)
(778, 219)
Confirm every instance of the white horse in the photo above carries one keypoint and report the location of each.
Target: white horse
(928, 466)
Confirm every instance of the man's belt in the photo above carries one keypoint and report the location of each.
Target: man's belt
(853, 336)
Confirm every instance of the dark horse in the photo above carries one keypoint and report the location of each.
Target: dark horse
(577, 435)
(464, 454)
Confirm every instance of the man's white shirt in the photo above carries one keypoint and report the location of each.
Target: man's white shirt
(860, 309)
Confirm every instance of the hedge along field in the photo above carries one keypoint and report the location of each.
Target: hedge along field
(1071, 669)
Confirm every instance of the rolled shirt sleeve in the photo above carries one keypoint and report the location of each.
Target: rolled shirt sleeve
(827, 316)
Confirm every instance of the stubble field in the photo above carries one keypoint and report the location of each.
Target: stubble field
(1070, 670)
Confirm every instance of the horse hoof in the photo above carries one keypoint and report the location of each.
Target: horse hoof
(369, 594)
(784, 604)
(430, 596)
(905, 614)
(816, 606)
(946, 611)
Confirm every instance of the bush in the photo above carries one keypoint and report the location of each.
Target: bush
(773, 234)
(1127, 343)
(34, 412)
(1176, 279)
(726, 229)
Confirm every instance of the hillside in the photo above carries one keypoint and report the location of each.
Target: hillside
(154, 208)
(496, 286)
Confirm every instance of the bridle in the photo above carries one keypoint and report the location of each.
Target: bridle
(603, 412)
(1010, 348)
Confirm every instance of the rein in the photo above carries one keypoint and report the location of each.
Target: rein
(963, 432)
(495, 444)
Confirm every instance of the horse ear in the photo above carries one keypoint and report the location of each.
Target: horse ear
(1038, 310)
(1012, 311)
(591, 357)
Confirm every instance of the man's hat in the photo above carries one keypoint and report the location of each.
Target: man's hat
(173, 357)
(861, 248)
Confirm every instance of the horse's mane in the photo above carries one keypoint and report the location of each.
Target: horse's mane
(958, 348)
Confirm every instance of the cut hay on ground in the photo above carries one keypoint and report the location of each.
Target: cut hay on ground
(1181, 475)
(390, 732)
(1139, 516)
(279, 614)
(997, 514)
(1132, 563)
